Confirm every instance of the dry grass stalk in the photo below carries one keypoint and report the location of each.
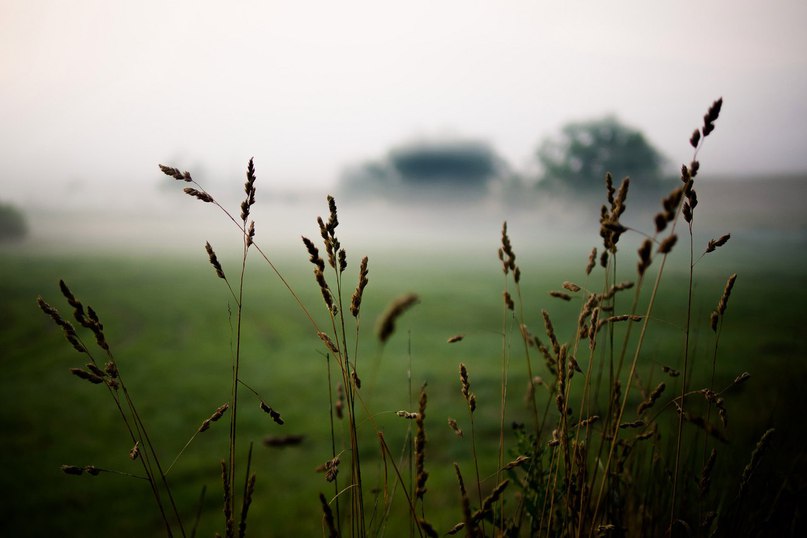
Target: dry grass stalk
(249, 492)
(83, 374)
(518, 462)
(67, 327)
(330, 468)
(706, 474)
(386, 324)
(229, 523)
(201, 195)
(724, 299)
(644, 256)
(456, 338)
(667, 245)
(703, 424)
(756, 456)
(272, 413)
(455, 427)
(214, 261)
(559, 295)
(465, 383)
(421, 476)
(466, 505)
(506, 254)
(585, 313)
(571, 286)
(313, 251)
(327, 296)
(740, 379)
(328, 519)
(214, 417)
(715, 244)
(550, 332)
(489, 501)
(355, 300)
(339, 404)
(328, 342)
(176, 174)
(592, 261)
(711, 116)
(650, 401)
(249, 189)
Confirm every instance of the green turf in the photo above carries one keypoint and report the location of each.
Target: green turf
(168, 324)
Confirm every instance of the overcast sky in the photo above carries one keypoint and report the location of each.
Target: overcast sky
(99, 92)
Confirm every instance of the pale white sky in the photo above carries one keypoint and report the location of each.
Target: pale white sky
(99, 92)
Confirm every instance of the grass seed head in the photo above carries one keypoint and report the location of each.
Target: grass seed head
(201, 195)
(175, 173)
(386, 324)
(214, 261)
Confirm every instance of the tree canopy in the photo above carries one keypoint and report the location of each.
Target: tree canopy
(13, 226)
(580, 157)
(464, 167)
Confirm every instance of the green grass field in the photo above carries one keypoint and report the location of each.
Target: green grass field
(167, 321)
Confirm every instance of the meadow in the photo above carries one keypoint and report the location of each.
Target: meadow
(455, 387)
(167, 320)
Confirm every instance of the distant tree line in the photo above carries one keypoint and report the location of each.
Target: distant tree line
(573, 162)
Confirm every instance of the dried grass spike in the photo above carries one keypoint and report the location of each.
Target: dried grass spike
(508, 301)
(355, 301)
(134, 453)
(421, 476)
(333, 221)
(560, 295)
(465, 383)
(711, 116)
(455, 427)
(272, 413)
(651, 399)
(714, 244)
(667, 245)
(695, 138)
(328, 342)
(327, 516)
(72, 469)
(724, 299)
(592, 261)
(249, 189)
(214, 261)
(756, 456)
(175, 173)
(201, 195)
(386, 324)
(644, 256)
(571, 286)
(330, 468)
(520, 460)
(83, 374)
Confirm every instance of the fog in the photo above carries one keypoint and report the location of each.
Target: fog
(95, 94)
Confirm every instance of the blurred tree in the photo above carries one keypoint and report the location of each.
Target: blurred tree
(579, 158)
(466, 164)
(13, 226)
(458, 167)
